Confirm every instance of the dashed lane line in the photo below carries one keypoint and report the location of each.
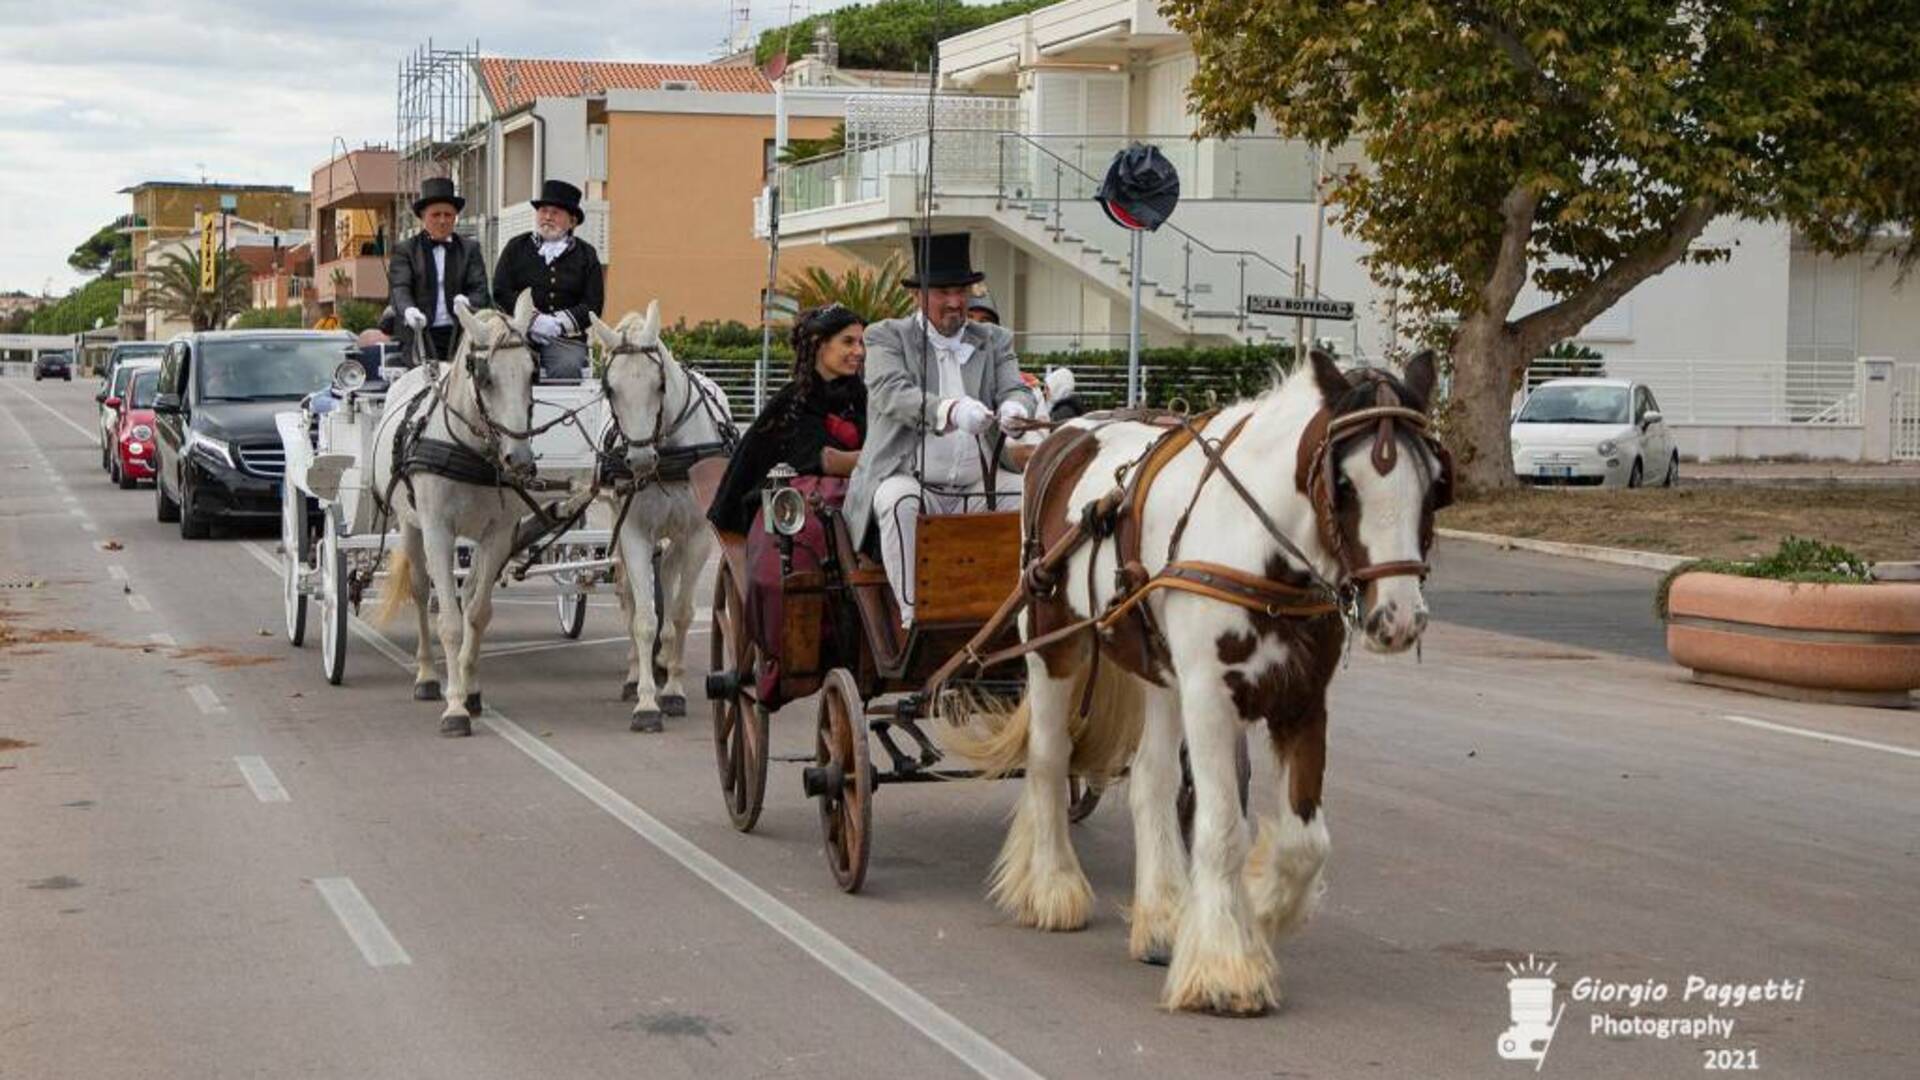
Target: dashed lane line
(203, 696)
(139, 603)
(376, 943)
(260, 777)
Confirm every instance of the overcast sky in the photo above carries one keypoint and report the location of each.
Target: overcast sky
(95, 96)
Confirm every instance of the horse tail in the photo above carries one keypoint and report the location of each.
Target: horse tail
(1105, 734)
(399, 590)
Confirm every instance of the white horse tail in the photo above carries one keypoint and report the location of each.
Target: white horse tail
(1105, 734)
(399, 591)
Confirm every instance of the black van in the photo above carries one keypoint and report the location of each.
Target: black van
(219, 453)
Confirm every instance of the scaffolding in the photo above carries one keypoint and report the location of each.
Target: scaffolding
(438, 128)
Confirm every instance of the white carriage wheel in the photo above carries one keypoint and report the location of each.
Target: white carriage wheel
(333, 603)
(572, 610)
(293, 550)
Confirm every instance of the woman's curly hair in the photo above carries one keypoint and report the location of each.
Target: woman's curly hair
(812, 329)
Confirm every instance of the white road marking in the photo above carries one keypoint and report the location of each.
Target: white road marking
(376, 943)
(138, 602)
(77, 512)
(1822, 736)
(70, 498)
(519, 650)
(90, 436)
(972, 1048)
(88, 526)
(162, 639)
(266, 786)
(117, 572)
(203, 696)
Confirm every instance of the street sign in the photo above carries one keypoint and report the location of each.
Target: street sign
(209, 251)
(1299, 307)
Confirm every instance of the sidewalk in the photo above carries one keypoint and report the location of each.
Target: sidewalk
(1798, 472)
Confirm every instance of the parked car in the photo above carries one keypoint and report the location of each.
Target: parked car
(122, 352)
(133, 449)
(219, 453)
(112, 390)
(53, 365)
(1593, 432)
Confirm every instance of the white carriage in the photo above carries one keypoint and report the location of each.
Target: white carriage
(332, 560)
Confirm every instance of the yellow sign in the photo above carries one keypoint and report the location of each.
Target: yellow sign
(209, 251)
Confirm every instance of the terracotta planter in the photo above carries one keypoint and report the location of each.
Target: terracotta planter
(1858, 644)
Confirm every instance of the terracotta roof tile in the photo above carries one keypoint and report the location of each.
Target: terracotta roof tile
(512, 83)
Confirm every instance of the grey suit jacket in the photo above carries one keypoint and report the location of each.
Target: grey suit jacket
(898, 410)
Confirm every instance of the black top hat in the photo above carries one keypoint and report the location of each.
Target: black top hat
(563, 195)
(1141, 188)
(942, 261)
(437, 189)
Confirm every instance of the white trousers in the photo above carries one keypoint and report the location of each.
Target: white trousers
(897, 504)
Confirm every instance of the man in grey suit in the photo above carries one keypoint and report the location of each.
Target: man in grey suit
(938, 379)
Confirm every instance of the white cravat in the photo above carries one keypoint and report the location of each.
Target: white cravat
(953, 456)
(440, 315)
(553, 249)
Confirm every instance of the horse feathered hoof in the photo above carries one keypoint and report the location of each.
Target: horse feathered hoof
(630, 692)
(649, 723)
(456, 727)
(426, 691)
(473, 703)
(674, 704)
(1157, 956)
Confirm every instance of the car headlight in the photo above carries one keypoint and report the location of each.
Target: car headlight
(213, 449)
(136, 449)
(1606, 448)
(142, 431)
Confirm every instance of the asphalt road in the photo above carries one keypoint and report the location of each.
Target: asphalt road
(212, 864)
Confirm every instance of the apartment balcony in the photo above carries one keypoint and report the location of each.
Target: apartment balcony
(361, 278)
(362, 179)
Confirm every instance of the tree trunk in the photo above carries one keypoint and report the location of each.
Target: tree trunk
(1489, 364)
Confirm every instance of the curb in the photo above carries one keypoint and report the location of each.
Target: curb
(1640, 560)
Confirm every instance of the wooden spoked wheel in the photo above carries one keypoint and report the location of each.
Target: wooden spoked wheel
(1184, 802)
(293, 560)
(739, 722)
(846, 792)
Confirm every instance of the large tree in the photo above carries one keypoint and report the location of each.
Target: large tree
(173, 288)
(1580, 144)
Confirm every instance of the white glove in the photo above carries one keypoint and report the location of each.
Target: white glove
(416, 318)
(545, 328)
(970, 416)
(461, 303)
(1012, 409)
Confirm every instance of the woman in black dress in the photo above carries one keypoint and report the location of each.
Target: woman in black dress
(815, 424)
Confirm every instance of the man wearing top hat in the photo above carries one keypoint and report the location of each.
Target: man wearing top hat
(435, 271)
(937, 375)
(565, 275)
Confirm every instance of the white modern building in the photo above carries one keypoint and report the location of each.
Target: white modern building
(1033, 108)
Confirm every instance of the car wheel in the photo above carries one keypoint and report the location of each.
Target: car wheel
(192, 526)
(125, 479)
(1673, 471)
(1637, 476)
(165, 510)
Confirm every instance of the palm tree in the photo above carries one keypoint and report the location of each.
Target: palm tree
(872, 294)
(173, 289)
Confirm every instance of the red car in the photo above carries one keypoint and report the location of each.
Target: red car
(133, 450)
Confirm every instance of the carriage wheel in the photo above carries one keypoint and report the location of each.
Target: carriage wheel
(739, 723)
(572, 610)
(333, 603)
(1082, 796)
(293, 559)
(846, 790)
(1183, 803)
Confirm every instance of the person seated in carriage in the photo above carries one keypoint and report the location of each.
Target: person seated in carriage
(938, 377)
(564, 272)
(435, 270)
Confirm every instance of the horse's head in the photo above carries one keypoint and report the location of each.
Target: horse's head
(1376, 476)
(498, 364)
(635, 382)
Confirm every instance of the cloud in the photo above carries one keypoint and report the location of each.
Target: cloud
(98, 96)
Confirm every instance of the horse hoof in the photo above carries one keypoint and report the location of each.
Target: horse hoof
(649, 723)
(454, 727)
(426, 691)
(473, 703)
(1158, 956)
(630, 692)
(674, 705)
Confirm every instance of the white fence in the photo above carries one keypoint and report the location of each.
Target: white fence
(1729, 391)
(1906, 412)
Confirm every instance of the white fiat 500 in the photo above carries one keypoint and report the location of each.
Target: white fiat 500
(1593, 432)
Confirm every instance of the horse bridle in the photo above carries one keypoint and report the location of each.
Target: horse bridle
(662, 428)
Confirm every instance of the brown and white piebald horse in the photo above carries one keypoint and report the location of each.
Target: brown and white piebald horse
(1244, 566)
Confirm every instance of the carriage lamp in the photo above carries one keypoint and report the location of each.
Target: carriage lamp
(784, 508)
(351, 375)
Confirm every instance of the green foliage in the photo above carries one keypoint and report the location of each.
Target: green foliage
(712, 334)
(283, 318)
(892, 35)
(101, 251)
(1798, 559)
(1567, 350)
(803, 149)
(356, 315)
(173, 288)
(96, 301)
(872, 294)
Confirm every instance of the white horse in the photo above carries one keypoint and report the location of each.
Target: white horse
(1215, 667)
(654, 408)
(482, 403)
